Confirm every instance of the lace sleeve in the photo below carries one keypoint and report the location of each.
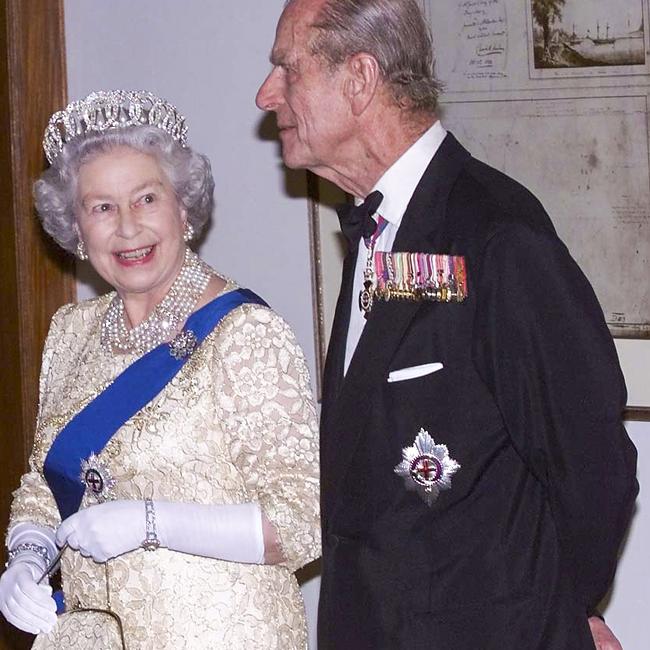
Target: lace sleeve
(33, 500)
(267, 412)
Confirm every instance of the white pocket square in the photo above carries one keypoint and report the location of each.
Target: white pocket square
(414, 371)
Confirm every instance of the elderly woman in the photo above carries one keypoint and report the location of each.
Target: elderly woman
(175, 456)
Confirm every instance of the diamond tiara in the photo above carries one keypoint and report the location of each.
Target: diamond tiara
(104, 110)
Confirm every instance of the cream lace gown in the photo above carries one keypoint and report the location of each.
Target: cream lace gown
(237, 424)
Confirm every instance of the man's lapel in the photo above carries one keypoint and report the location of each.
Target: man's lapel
(334, 363)
(351, 398)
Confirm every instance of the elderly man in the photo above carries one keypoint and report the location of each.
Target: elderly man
(477, 480)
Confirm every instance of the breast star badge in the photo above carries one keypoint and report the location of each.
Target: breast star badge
(426, 467)
(97, 478)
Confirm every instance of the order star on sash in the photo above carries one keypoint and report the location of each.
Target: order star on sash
(426, 467)
(97, 478)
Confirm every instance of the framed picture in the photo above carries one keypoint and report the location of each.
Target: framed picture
(578, 38)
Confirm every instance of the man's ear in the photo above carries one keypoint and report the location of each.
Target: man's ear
(362, 82)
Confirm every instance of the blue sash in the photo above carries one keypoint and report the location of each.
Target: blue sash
(90, 430)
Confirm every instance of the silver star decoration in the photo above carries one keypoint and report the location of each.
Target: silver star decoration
(426, 467)
(97, 478)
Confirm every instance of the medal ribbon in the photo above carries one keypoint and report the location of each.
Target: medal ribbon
(90, 430)
(420, 276)
(370, 241)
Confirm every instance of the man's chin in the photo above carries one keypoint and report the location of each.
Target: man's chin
(290, 164)
(293, 162)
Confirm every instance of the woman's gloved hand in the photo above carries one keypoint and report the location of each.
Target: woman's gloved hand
(227, 532)
(104, 531)
(23, 602)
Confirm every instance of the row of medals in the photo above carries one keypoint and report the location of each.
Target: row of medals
(449, 291)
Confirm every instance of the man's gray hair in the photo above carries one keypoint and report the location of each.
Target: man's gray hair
(395, 33)
(55, 192)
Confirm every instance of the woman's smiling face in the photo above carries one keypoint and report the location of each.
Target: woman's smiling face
(131, 223)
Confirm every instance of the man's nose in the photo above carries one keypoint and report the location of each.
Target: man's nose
(268, 96)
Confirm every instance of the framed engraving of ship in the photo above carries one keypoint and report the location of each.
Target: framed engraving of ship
(577, 38)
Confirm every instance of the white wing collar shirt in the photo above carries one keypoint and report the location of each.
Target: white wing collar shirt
(397, 185)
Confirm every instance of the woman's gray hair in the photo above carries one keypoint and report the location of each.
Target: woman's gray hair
(55, 192)
(395, 33)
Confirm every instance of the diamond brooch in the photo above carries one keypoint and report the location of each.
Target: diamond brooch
(183, 344)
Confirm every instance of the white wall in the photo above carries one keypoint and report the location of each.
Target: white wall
(208, 57)
(629, 606)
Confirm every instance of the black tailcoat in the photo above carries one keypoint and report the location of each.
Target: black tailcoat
(529, 403)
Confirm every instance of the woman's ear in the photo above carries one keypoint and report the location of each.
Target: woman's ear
(363, 81)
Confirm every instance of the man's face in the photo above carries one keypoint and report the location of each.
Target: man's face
(306, 96)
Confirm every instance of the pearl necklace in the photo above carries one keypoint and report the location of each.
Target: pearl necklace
(167, 318)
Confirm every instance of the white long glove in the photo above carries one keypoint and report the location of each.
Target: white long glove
(24, 603)
(227, 532)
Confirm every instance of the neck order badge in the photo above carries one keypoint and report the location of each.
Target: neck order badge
(366, 295)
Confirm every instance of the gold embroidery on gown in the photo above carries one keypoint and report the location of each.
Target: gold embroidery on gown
(237, 424)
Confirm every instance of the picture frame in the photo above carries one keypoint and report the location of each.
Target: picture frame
(327, 251)
(606, 38)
